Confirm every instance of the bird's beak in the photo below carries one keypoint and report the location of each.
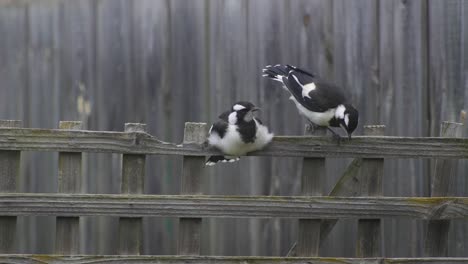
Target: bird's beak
(255, 109)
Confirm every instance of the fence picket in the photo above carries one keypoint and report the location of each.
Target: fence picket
(369, 230)
(133, 175)
(313, 172)
(67, 240)
(436, 244)
(190, 228)
(9, 171)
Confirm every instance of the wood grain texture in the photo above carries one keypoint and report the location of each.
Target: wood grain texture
(369, 237)
(347, 185)
(403, 99)
(193, 168)
(39, 259)
(133, 176)
(232, 206)
(164, 62)
(67, 235)
(288, 146)
(313, 172)
(9, 172)
(436, 244)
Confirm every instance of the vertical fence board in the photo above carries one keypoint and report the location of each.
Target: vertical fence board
(133, 175)
(403, 100)
(313, 172)
(369, 230)
(67, 240)
(437, 230)
(356, 69)
(40, 101)
(9, 172)
(190, 228)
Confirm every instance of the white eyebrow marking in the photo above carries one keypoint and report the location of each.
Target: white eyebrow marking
(306, 89)
(238, 107)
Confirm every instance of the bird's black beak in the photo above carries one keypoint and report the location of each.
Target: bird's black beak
(255, 109)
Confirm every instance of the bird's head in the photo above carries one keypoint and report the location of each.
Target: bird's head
(242, 112)
(348, 117)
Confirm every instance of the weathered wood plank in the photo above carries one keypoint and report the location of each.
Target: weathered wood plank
(436, 244)
(133, 176)
(189, 241)
(292, 146)
(313, 173)
(39, 259)
(347, 185)
(9, 172)
(369, 232)
(67, 235)
(232, 206)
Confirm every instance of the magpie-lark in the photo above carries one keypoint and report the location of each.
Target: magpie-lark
(322, 103)
(237, 132)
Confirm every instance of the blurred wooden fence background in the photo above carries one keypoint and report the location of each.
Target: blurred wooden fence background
(106, 62)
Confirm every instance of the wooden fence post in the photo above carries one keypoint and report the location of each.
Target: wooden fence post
(133, 176)
(9, 172)
(192, 171)
(67, 240)
(313, 172)
(436, 244)
(369, 231)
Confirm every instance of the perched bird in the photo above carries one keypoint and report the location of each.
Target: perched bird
(322, 103)
(237, 132)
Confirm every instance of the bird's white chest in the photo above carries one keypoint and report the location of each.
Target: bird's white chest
(317, 118)
(233, 145)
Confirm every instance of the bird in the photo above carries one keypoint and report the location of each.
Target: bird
(236, 133)
(322, 103)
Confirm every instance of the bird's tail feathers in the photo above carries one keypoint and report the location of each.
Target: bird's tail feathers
(215, 159)
(276, 72)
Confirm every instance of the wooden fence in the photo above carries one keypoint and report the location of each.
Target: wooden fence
(316, 214)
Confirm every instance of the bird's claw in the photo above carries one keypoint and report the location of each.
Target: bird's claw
(337, 138)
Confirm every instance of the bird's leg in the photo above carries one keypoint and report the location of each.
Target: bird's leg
(311, 127)
(336, 136)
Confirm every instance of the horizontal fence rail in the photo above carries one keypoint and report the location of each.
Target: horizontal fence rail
(27, 139)
(39, 259)
(231, 206)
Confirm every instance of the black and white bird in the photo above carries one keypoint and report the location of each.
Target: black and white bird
(322, 103)
(237, 132)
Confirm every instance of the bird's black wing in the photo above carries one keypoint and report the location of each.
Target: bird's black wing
(225, 115)
(219, 127)
(322, 98)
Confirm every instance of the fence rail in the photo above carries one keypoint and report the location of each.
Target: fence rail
(28, 139)
(232, 206)
(40, 259)
(316, 214)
